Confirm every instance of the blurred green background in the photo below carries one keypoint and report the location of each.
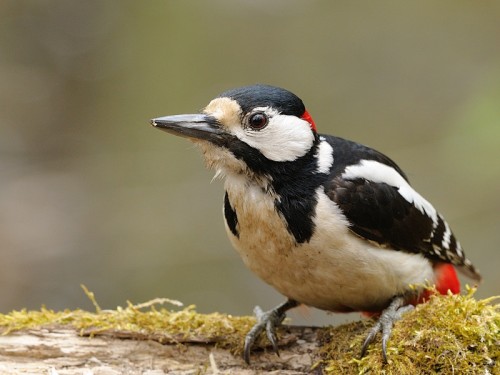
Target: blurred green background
(90, 193)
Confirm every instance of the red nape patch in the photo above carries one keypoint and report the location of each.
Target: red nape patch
(306, 116)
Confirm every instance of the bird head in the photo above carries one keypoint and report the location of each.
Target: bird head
(251, 130)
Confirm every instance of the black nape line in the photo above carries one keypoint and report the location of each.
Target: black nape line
(297, 195)
(293, 182)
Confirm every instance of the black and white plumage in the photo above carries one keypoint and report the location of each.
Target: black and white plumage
(328, 222)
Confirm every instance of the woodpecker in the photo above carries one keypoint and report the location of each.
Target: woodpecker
(328, 222)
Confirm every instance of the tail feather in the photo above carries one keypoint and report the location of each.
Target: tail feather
(468, 269)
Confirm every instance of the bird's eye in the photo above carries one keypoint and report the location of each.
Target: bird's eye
(258, 121)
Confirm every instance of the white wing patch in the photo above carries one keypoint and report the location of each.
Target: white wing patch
(446, 236)
(380, 173)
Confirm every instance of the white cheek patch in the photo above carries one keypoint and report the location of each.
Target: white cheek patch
(380, 173)
(285, 138)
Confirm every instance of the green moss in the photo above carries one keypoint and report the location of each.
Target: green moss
(145, 321)
(454, 334)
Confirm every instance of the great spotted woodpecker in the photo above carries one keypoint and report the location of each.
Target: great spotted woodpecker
(328, 222)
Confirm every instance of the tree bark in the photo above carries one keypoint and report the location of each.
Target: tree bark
(61, 350)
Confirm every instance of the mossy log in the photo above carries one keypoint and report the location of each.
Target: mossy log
(448, 334)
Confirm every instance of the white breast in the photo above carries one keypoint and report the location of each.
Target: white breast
(335, 270)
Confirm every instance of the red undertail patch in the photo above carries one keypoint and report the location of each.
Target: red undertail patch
(446, 280)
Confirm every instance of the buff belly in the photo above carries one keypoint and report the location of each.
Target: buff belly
(330, 272)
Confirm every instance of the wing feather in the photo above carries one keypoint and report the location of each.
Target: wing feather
(382, 207)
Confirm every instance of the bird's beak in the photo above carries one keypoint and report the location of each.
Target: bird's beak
(197, 126)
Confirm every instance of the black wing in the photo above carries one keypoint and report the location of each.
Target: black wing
(377, 211)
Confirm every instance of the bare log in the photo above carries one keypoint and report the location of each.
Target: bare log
(63, 351)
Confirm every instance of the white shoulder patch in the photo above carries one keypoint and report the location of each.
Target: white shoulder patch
(380, 173)
(324, 155)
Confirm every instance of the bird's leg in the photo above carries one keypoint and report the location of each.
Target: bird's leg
(384, 324)
(267, 320)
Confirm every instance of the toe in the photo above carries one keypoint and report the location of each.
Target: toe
(391, 314)
(369, 339)
(250, 339)
(267, 320)
(271, 335)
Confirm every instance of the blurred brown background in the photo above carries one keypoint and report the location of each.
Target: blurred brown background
(90, 193)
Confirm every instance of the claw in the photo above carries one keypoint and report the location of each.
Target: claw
(266, 320)
(390, 315)
(272, 321)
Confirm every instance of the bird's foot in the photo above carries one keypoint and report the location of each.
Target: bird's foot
(384, 324)
(268, 321)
